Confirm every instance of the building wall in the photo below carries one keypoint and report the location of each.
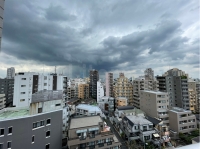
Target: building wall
(2, 101)
(26, 84)
(153, 102)
(139, 85)
(10, 73)
(22, 131)
(100, 91)
(121, 101)
(7, 88)
(123, 88)
(94, 77)
(175, 119)
(83, 91)
(109, 84)
(1, 18)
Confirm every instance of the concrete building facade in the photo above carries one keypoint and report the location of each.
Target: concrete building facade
(100, 91)
(109, 84)
(175, 82)
(10, 73)
(140, 84)
(149, 74)
(181, 120)
(91, 132)
(121, 101)
(123, 88)
(2, 101)
(155, 104)
(7, 88)
(21, 128)
(107, 104)
(94, 77)
(83, 91)
(28, 83)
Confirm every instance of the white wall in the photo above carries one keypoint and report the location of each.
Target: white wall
(42, 85)
(100, 91)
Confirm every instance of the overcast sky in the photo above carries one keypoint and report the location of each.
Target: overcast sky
(116, 35)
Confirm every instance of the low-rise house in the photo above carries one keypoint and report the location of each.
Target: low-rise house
(91, 132)
(121, 109)
(137, 127)
(88, 110)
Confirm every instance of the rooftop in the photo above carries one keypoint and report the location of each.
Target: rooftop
(153, 120)
(177, 110)
(46, 95)
(85, 121)
(90, 108)
(125, 107)
(138, 119)
(10, 113)
(154, 92)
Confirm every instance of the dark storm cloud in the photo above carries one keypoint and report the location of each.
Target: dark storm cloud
(83, 33)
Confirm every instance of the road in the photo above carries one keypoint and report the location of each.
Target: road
(116, 134)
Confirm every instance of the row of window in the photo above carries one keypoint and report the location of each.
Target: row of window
(2, 131)
(41, 123)
(9, 144)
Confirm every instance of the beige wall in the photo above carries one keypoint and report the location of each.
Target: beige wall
(174, 121)
(123, 88)
(121, 102)
(83, 91)
(149, 102)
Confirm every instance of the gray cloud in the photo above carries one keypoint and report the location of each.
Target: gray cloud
(104, 35)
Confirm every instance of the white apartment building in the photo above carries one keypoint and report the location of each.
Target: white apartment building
(10, 73)
(109, 84)
(2, 101)
(100, 91)
(28, 83)
(155, 104)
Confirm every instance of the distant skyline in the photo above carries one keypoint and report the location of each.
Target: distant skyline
(115, 36)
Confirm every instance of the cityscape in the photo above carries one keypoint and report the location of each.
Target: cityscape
(106, 90)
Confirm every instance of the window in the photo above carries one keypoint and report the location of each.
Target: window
(47, 134)
(33, 139)
(39, 110)
(1, 146)
(45, 84)
(23, 78)
(45, 77)
(58, 104)
(10, 130)
(47, 146)
(23, 92)
(1, 131)
(38, 124)
(22, 100)
(23, 85)
(48, 121)
(9, 144)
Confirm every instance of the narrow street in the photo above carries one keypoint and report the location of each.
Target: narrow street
(116, 134)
